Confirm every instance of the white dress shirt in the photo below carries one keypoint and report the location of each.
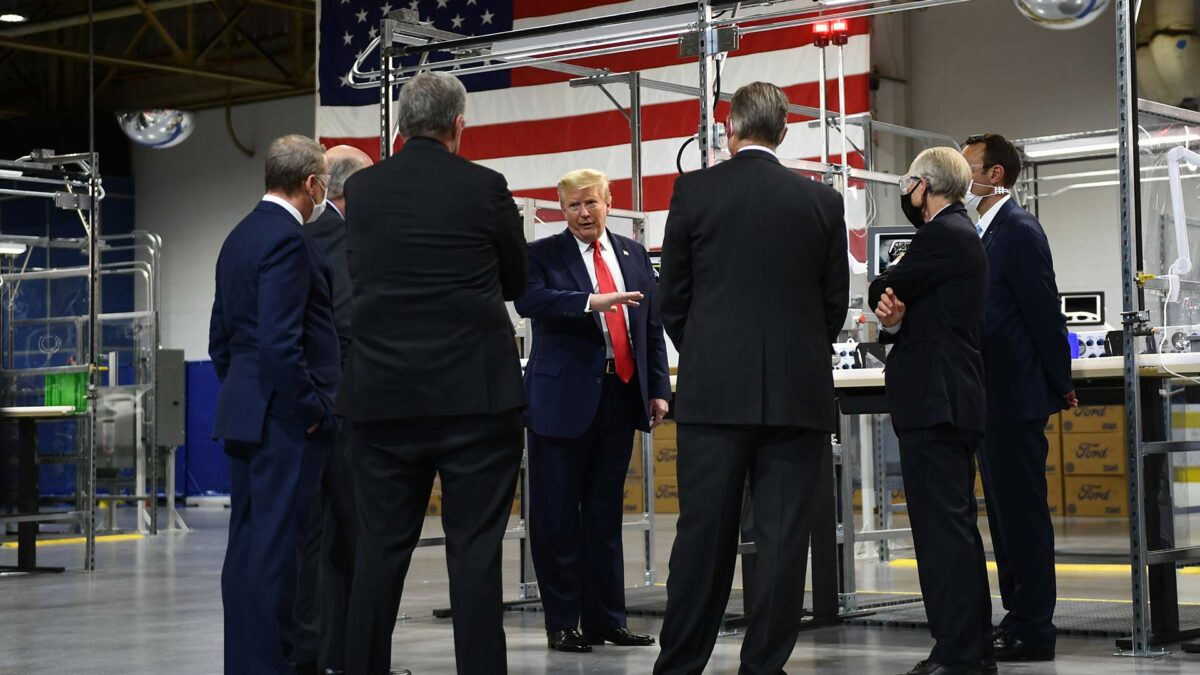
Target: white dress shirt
(759, 147)
(284, 203)
(986, 219)
(614, 268)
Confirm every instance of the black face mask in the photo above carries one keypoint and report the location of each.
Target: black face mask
(911, 211)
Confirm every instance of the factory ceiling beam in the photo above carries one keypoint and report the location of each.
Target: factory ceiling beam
(230, 24)
(112, 72)
(102, 15)
(303, 8)
(52, 50)
(162, 31)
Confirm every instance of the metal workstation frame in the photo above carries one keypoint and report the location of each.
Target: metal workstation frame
(706, 29)
(71, 181)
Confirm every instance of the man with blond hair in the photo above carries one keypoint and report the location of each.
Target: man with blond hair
(931, 305)
(597, 372)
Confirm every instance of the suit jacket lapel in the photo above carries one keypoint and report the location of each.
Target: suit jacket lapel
(568, 246)
(997, 222)
(629, 271)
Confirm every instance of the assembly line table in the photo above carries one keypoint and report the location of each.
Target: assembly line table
(1098, 381)
(29, 515)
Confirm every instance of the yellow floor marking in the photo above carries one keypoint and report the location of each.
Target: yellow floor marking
(102, 539)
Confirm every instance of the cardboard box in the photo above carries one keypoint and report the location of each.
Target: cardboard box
(666, 494)
(634, 499)
(1054, 494)
(1094, 419)
(1094, 454)
(435, 500)
(1054, 456)
(897, 498)
(1096, 496)
(665, 431)
(666, 462)
(1054, 424)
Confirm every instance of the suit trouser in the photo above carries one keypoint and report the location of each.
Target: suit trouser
(938, 466)
(1013, 463)
(394, 463)
(324, 587)
(272, 491)
(576, 494)
(783, 464)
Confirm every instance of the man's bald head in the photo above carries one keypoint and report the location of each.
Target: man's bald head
(344, 160)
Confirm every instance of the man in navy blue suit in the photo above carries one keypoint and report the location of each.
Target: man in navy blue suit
(1028, 365)
(598, 370)
(275, 349)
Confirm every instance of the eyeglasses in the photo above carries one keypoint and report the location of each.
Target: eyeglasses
(909, 183)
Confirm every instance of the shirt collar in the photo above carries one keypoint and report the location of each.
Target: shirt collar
(335, 208)
(760, 148)
(939, 211)
(584, 247)
(284, 203)
(986, 219)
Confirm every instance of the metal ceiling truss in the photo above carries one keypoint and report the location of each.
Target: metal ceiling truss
(185, 57)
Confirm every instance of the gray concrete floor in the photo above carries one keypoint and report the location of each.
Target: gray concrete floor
(154, 605)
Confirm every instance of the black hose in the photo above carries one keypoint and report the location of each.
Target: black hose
(679, 155)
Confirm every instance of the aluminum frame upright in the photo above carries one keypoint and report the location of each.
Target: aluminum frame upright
(1132, 316)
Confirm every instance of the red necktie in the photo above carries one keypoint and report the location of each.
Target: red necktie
(617, 331)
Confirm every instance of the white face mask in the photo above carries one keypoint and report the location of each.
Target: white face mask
(972, 200)
(318, 209)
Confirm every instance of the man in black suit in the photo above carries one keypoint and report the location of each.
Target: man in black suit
(274, 347)
(433, 385)
(1028, 364)
(931, 305)
(329, 551)
(755, 284)
(598, 371)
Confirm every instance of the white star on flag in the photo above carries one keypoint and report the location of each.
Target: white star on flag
(457, 21)
(442, 3)
(372, 33)
(362, 16)
(347, 38)
(346, 80)
(470, 2)
(413, 5)
(385, 9)
(487, 16)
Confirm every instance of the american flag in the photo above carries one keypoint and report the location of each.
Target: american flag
(530, 125)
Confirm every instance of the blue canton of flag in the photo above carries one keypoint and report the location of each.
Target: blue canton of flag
(349, 26)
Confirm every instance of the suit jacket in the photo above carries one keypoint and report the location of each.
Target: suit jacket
(754, 290)
(564, 377)
(329, 234)
(934, 373)
(271, 336)
(1026, 354)
(435, 247)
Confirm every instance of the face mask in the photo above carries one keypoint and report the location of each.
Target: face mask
(911, 211)
(972, 200)
(318, 209)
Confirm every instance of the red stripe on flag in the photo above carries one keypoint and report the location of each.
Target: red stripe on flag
(528, 9)
(599, 130)
(661, 57)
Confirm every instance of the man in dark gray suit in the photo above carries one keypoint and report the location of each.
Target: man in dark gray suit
(329, 549)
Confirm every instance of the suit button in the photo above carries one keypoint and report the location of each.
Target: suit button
(599, 380)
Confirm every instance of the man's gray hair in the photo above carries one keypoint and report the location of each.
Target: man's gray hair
(428, 104)
(339, 170)
(290, 161)
(759, 111)
(947, 172)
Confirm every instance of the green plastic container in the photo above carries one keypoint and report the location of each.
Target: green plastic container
(67, 389)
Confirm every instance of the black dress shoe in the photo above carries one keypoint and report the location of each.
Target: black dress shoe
(988, 666)
(931, 668)
(619, 636)
(1011, 648)
(567, 641)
